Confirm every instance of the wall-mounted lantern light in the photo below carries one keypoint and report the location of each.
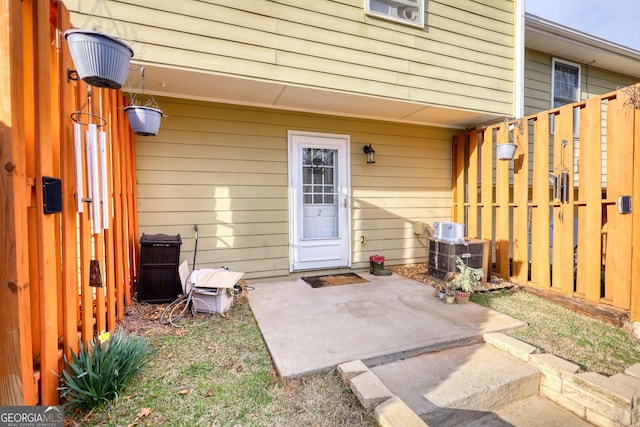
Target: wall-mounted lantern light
(371, 154)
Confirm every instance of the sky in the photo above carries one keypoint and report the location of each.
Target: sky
(613, 20)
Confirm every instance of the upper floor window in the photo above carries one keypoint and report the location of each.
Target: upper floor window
(409, 12)
(565, 83)
(565, 89)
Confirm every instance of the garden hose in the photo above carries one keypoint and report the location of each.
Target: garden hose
(180, 307)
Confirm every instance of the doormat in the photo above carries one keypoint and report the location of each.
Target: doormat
(333, 280)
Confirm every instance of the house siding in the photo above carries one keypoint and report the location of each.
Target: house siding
(463, 58)
(225, 169)
(593, 81)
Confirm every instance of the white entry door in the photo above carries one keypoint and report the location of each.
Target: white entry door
(319, 200)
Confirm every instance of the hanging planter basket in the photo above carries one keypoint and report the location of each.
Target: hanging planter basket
(143, 121)
(100, 60)
(506, 151)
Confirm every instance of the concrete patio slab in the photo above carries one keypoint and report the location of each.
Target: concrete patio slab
(389, 318)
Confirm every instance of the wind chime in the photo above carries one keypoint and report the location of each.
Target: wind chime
(561, 178)
(95, 148)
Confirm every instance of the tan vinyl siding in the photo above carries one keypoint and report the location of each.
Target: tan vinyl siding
(463, 57)
(225, 168)
(593, 81)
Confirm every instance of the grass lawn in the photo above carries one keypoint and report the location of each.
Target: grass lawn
(592, 344)
(220, 374)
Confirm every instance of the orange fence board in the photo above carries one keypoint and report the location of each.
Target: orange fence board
(619, 183)
(472, 185)
(540, 261)
(17, 384)
(521, 202)
(635, 232)
(590, 192)
(46, 231)
(563, 213)
(486, 194)
(458, 177)
(502, 229)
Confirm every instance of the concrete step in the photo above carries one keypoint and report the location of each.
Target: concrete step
(531, 412)
(459, 385)
(479, 385)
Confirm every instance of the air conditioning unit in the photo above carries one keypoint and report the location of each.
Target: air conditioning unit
(448, 231)
(406, 10)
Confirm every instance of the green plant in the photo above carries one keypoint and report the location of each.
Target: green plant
(102, 368)
(465, 279)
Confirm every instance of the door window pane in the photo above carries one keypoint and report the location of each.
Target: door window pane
(319, 193)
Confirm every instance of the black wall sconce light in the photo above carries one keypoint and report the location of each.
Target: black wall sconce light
(371, 154)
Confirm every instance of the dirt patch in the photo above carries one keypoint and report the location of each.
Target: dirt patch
(144, 319)
(418, 272)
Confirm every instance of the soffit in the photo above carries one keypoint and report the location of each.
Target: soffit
(189, 84)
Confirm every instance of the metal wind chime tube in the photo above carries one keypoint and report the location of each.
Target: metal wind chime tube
(561, 178)
(93, 175)
(104, 191)
(95, 150)
(77, 162)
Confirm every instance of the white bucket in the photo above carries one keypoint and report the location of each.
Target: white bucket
(506, 151)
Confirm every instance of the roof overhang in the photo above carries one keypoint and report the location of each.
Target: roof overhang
(197, 85)
(573, 45)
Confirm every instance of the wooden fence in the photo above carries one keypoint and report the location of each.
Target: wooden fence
(555, 215)
(46, 301)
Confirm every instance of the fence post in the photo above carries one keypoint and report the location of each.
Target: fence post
(472, 186)
(502, 209)
(635, 211)
(17, 383)
(521, 201)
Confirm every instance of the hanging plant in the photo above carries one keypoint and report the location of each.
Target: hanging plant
(100, 60)
(144, 119)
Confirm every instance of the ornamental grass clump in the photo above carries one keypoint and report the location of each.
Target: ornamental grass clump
(102, 368)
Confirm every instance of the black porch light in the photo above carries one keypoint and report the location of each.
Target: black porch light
(371, 154)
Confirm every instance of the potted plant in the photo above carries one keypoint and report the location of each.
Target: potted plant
(100, 60)
(449, 291)
(462, 283)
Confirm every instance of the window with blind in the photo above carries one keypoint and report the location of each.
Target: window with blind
(566, 83)
(565, 89)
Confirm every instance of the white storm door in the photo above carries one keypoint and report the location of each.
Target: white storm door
(319, 201)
